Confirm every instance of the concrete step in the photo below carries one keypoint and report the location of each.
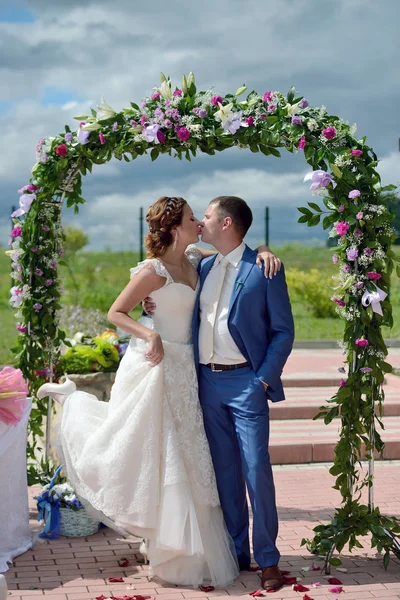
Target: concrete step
(304, 402)
(297, 441)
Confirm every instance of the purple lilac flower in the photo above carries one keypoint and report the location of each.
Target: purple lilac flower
(341, 208)
(37, 306)
(342, 370)
(173, 113)
(115, 126)
(359, 285)
(167, 124)
(196, 110)
(39, 144)
(304, 103)
(359, 215)
(203, 113)
(296, 120)
(133, 123)
(61, 251)
(262, 116)
(354, 194)
(272, 107)
(358, 233)
(34, 249)
(342, 383)
(366, 370)
(48, 282)
(346, 268)
(335, 259)
(46, 228)
(352, 254)
(38, 272)
(43, 158)
(143, 103)
(159, 113)
(368, 252)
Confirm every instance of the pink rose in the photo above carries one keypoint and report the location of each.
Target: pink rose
(374, 276)
(215, 100)
(160, 136)
(268, 96)
(143, 120)
(329, 133)
(339, 302)
(177, 93)
(61, 150)
(155, 96)
(16, 232)
(21, 328)
(102, 138)
(356, 152)
(359, 215)
(271, 107)
(362, 342)
(335, 259)
(342, 383)
(341, 208)
(354, 194)
(302, 142)
(342, 228)
(183, 134)
(249, 121)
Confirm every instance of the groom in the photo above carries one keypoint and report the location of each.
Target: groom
(242, 335)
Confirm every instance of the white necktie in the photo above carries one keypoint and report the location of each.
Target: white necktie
(207, 343)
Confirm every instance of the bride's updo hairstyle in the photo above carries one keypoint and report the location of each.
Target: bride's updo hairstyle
(164, 214)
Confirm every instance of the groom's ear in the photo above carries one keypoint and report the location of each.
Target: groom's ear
(226, 223)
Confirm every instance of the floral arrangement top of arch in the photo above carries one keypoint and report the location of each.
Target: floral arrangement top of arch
(181, 122)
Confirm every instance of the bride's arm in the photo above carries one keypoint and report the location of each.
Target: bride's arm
(141, 285)
(272, 263)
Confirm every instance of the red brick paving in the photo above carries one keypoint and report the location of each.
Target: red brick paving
(78, 568)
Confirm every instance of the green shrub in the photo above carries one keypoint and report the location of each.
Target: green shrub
(313, 288)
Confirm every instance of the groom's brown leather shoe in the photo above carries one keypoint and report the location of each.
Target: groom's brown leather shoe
(271, 578)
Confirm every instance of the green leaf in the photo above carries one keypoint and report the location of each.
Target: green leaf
(303, 219)
(154, 154)
(398, 270)
(305, 211)
(272, 119)
(314, 206)
(267, 152)
(336, 171)
(290, 95)
(274, 152)
(315, 219)
(386, 559)
(240, 90)
(135, 106)
(335, 562)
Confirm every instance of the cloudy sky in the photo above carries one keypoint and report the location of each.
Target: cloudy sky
(58, 58)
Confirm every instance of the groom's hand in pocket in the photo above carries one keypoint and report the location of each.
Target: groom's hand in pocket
(149, 306)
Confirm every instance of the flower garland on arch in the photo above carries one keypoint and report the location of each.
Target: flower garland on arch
(181, 122)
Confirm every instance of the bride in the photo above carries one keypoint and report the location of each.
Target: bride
(141, 463)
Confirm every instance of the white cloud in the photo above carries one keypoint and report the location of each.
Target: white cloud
(389, 169)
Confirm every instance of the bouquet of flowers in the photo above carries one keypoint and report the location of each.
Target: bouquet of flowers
(13, 394)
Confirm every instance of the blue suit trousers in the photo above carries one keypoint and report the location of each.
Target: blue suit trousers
(236, 419)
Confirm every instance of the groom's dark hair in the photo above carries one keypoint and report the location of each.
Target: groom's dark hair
(236, 209)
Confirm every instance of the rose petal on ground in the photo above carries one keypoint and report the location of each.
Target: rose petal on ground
(256, 594)
(307, 597)
(123, 562)
(288, 580)
(335, 589)
(207, 588)
(116, 580)
(315, 567)
(334, 581)
(298, 587)
(316, 584)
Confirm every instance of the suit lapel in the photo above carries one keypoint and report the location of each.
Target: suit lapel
(204, 271)
(246, 264)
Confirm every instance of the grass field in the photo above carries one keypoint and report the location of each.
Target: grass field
(99, 276)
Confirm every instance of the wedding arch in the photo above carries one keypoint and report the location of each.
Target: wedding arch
(181, 122)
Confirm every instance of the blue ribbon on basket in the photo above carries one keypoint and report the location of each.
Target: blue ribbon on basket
(49, 511)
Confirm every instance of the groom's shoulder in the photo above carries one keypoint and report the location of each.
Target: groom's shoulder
(206, 261)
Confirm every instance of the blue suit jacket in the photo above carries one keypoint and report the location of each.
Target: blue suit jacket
(260, 320)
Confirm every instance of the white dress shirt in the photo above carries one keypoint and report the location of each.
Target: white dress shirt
(225, 350)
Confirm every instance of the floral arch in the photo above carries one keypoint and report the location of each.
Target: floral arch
(181, 122)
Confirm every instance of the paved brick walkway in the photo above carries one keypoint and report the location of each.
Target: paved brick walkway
(77, 569)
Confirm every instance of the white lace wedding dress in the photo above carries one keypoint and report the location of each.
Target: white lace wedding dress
(142, 460)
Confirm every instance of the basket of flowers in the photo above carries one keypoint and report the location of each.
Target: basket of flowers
(62, 512)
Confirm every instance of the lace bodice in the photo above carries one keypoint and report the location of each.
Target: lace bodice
(174, 301)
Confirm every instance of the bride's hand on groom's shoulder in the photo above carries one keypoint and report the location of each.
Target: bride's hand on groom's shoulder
(272, 263)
